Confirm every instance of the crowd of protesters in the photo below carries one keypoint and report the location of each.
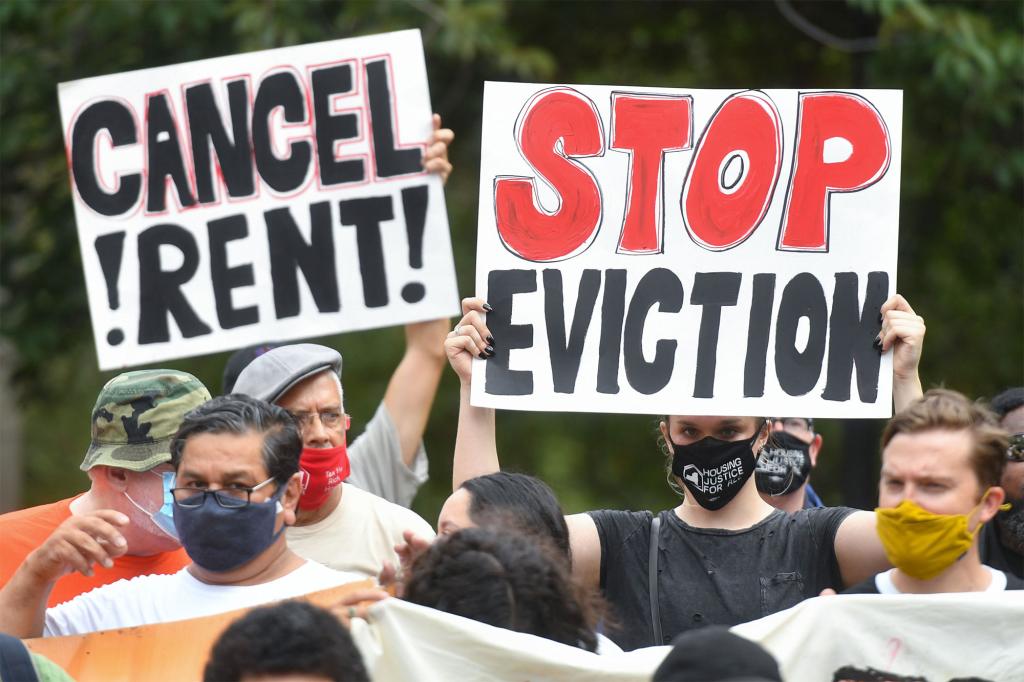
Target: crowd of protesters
(200, 505)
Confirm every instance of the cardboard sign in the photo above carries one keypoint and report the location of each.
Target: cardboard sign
(258, 197)
(674, 251)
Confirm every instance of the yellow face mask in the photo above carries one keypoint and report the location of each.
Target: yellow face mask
(923, 544)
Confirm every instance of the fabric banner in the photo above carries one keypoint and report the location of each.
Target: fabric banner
(259, 197)
(661, 250)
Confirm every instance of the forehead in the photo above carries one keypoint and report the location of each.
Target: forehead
(928, 453)
(219, 455)
(318, 392)
(1013, 421)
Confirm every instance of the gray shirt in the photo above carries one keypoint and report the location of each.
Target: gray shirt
(375, 458)
(711, 576)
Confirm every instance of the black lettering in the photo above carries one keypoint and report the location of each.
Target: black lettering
(117, 120)
(164, 157)
(659, 286)
(280, 90)
(798, 371)
(160, 290)
(712, 290)
(390, 161)
(565, 355)
(502, 286)
(224, 278)
(289, 252)
(851, 335)
(109, 248)
(757, 334)
(234, 154)
(613, 312)
(367, 215)
(329, 128)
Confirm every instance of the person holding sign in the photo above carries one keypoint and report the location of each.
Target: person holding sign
(723, 556)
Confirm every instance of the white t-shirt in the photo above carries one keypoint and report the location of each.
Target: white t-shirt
(376, 462)
(359, 535)
(885, 585)
(150, 599)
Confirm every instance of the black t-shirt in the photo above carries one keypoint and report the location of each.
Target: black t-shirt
(869, 586)
(710, 576)
(997, 555)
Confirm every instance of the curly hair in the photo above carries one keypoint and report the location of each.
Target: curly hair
(508, 580)
(290, 637)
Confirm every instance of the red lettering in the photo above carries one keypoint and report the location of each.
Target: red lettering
(554, 126)
(733, 172)
(823, 116)
(645, 127)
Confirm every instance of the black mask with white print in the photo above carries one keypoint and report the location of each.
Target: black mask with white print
(784, 464)
(714, 470)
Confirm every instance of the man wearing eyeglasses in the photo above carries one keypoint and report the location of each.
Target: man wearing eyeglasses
(784, 467)
(128, 464)
(338, 522)
(237, 489)
(1002, 541)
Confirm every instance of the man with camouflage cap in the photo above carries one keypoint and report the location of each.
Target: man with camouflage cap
(135, 416)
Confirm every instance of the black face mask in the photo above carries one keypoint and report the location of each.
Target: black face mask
(784, 465)
(713, 470)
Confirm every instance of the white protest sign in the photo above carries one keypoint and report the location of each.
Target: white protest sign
(674, 251)
(259, 197)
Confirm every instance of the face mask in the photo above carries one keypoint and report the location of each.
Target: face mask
(220, 539)
(323, 469)
(920, 543)
(163, 517)
(714, 470)
(784, 464)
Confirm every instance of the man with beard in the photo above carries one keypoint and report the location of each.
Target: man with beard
(1002, 541)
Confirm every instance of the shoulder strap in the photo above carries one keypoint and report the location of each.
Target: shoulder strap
(652, 580)
(15, 661)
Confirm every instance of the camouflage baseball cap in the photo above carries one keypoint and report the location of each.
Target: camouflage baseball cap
(137, 414)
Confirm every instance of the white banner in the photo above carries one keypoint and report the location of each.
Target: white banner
(660, 250)
(259, 197)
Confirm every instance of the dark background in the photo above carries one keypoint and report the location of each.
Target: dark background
(960, 65)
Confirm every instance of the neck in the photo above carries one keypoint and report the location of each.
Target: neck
(790, 502)
(966, 574)
(276, 562)
(306, 517)
(743, 511)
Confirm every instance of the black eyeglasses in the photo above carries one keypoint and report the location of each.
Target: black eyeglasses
(331, 419)
(235, 497)
(1015, 453)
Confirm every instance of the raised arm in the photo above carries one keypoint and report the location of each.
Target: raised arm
(76, 545)
(476, 452)
(903, 332)
(858, 549)
(413, 385)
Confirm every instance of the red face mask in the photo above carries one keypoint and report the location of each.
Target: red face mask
(323, 469)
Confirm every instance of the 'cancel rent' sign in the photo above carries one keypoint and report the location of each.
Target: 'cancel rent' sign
(258, 197)
(687, 251)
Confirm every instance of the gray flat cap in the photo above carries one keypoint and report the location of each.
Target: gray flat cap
(270, 375)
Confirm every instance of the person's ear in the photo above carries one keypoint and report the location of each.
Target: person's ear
(994, 498)
(290, 499)
(762, 437)
(116, 478)
(814, 449)
(663, 427)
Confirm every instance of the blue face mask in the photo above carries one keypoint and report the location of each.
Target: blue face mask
(163, 517)
(221, 539)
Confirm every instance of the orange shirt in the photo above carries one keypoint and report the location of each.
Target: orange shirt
(24, 530)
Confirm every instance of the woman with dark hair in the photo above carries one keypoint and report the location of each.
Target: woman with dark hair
(505, 579)
(723, 556)
(504, 499)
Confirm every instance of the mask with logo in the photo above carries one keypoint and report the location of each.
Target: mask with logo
(784, 464)
(323, 469)
(163, 518)
(920, 543)
(714, 470)
(220, 539)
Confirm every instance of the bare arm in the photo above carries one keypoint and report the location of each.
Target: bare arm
(76, 545)
(903, 332)
(858, 549)
(586, 549)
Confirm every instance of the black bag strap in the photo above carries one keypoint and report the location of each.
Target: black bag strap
(652, 580)
(15, 661)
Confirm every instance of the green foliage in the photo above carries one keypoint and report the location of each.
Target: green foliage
(960, 65)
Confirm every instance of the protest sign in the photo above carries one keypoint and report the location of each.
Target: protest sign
(687, 251)
(259, 197)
